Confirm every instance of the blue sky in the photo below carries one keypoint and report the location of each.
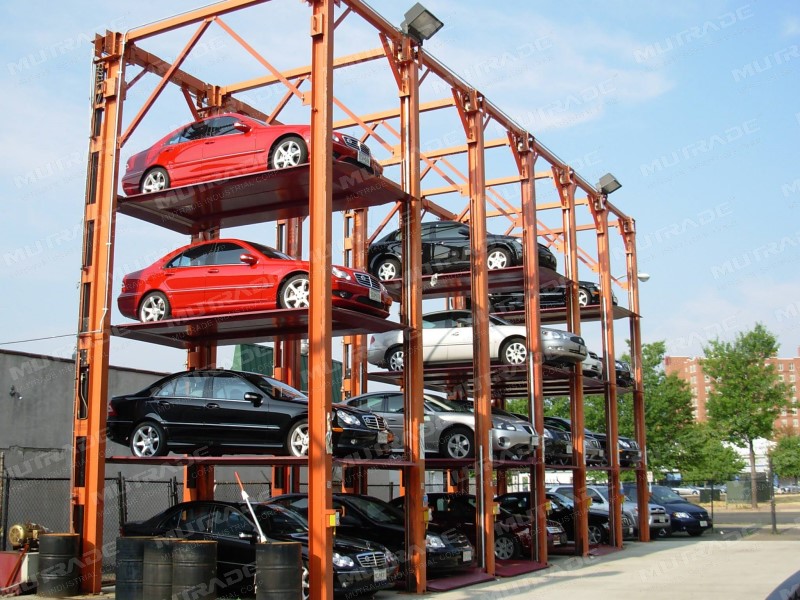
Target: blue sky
(692, 105)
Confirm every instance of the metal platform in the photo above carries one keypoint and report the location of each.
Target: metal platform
(247, 327)
(255, 198)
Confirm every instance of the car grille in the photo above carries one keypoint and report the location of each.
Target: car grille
(593, 443)
(367, 280)
(374, 422)
(633, 445)
(626, 521)
(374, 560)
(577, 339)
(354, 143)
(702, 515)
(657, 511)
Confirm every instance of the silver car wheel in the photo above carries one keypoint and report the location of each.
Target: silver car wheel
(295, 294)
(155, 180)
(306, 583)
(497, 259)
(583, 297)
(388, 269)
(155, 307)
(504, 547)
(395, 361)
(515, 353)
(289, 153)
(595, 534)
(459, 446)
(298, 439)
(146, 440)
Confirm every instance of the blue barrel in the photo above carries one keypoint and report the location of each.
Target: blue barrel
(129, 568)
(279, 571)
(194, 570)
(157, 569)
(59, 573)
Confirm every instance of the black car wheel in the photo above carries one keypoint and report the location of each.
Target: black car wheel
(513, 351)
(154, 180)
(297, 439)
(498, 258)
(154, 307)
(663, 533)
(394, 358)
(505, 547)
(695, 533)
(596, 534)
(388, 268)
(149, 439)
(458, 442)
(289, 152)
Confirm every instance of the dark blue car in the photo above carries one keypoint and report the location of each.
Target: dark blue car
(685, 516)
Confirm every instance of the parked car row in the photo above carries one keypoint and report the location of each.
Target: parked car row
(596, 444)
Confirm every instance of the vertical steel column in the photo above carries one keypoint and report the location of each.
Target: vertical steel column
(600, 214)
(473, 116)
(564, 181)
(629, 238)
(94, 321)
(319, 314)
(526, 162)
(411, 315)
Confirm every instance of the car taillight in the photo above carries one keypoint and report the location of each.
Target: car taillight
(111, 411)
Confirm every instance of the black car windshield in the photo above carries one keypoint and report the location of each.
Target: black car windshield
(559, 501)
(275, 388)
(377, 511)
(270, 252)
(660, 494)
(277, 520)
(437, 404)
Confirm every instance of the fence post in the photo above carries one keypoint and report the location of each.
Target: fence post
(173, 491)
(6, 498)
(123, 499)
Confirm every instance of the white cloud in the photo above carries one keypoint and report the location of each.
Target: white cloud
(790, 27)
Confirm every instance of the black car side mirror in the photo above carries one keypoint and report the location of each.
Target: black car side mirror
(256, 399)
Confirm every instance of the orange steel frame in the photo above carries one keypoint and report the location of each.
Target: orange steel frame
(410, 65)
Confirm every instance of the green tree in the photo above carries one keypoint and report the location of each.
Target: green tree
(747, 394)
(706, 458)
(786, 457)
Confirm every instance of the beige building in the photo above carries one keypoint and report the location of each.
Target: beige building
(690, 369)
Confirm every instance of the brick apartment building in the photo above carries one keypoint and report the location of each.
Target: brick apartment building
(690, 370)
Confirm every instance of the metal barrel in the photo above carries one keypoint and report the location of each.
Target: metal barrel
(279, 571)
(129, 568)
(59, 573)
(157, 569)
(194, 570)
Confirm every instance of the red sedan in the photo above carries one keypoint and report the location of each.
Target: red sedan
(227, 145)
(225, 276)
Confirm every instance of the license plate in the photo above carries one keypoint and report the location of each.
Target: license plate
(569, 448)
(602, 453)
(374, 295)
(380, 575)
(467, 556)
(703, 523)
(363, 158)
(383, 437)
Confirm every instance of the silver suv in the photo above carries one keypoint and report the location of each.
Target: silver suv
(450, 427)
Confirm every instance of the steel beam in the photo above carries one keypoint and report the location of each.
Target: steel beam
(94, 324)
(320, 500)
(566, 186)
(411, 315)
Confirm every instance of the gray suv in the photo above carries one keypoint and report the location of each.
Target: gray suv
(450, 427)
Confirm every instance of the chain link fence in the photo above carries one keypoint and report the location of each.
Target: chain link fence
(46, 501)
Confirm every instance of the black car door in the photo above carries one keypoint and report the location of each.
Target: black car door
(180, 404)
(451, 247)
(233, 421)
(236, 537)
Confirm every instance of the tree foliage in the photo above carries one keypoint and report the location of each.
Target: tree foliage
(786, 457)
(746, 394)
(706, 458)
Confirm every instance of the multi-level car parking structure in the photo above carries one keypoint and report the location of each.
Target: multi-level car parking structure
(315, 191)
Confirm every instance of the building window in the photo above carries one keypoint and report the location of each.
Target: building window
(794, 411)
(706, 378)
(791, 366)
(795, 423)
(794, 389)
(783, 412)
(792, 378)
(780, 366)
(694, 379)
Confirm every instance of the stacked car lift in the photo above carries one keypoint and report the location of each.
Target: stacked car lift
(320, 188)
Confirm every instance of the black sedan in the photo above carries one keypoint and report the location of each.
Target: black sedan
(359, 566)
(373, 519)
(551, 296)
(446, 248)
(684, 515)
(223, 412)
(561, 510)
